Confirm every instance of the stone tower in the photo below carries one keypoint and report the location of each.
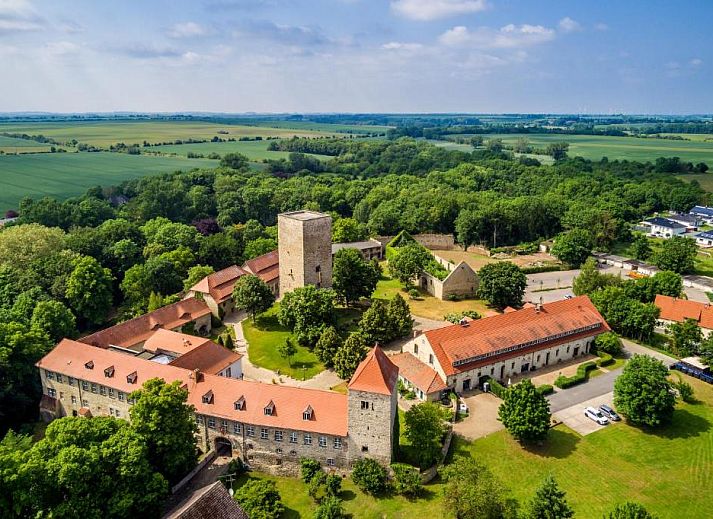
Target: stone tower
(372, 408)
(305, 250)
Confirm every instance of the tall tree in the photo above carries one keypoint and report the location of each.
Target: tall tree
(253, 295)
(642, 393)
(630, 510)
(165, 423)
(399, 315)
(349, 355)
(195, 274)
(352, 276)
(425, 428)
(327, 346)
(54, 319)
(375, 324)
(408, 261)
(685, 337)
(549, 502)
(525, 412)
(287, 350)
(640, 248)
(677, 254)
(260, 499)
(89, 290)
(346, 230)
(573, 247)
(502, 284)
(306, 311)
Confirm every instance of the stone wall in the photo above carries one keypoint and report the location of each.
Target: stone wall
(371, 419)
(461, 282)
(430, 241)
(305, 250)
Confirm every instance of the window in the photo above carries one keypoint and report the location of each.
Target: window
(109, 372)
(330, 462)
(237, 428)
(365, 448)
(211, 422)
(199, 419)
(263, 434)
(49, 375)
(51, 392)
(307, 439)
(278, 436)
(207, 398)
(307, 413)
(116, 413)
(567, 349)
(538, 358)
(59, 377)
(121, 396)
(251, 431)
(131, 377)
(85, 385)
(415, 349)
(364, 405)
(337, 443)
(557, 353)
(430, 358)
(228, 372)
(224, 424)
(278, 450)
(70, 381)
(293, 437)
(240, 404)
(94, 388)
(492, 370)
(74, 399)
(89, 365)
(323, 442)
(102, 390)
(269, 409)
(85, 403)
(512, 366)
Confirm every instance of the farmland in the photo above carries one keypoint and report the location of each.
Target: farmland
(595, 147)
(13, 145)
(253, 150)
(63, 175)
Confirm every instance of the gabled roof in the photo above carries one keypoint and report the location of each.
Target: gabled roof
(685, 219)
(375, 374)
(208, 357)
(665, 222)
(163, 340)
(675, 309)
(418, 373)
(708, 235)
(266, 267)
(219, 285)
(210, 502)
(134, 331)
(703, 210)
(359, 245)
(461, 348)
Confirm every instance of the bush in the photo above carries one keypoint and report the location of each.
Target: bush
(541, 268)
(604, 359)
(497, 388)
(414, 293)
(309, 467)
(407, 480)
(582, 375)
(369, 476)
(608, 343)
(237, 467)
(685, 390)
(260, 499)
(330, 508)
(545, 389)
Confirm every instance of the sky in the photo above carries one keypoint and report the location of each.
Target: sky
(475, 56)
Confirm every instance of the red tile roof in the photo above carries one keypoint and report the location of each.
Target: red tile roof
(375, 374)
(210, 502)
(557, 322)
(266, 267)
(219, 285)
(162, 341)
(419, 374)
(136, 330)
(209, 358)
(674, 309)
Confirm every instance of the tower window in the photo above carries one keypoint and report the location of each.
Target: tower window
(365, 448)
(318, 268)
(364, 405)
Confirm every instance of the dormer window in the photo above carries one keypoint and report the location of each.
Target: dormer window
(109, 372)
(308, 413)
(89, 365)
(131, 377)
(208, 397)
(270, 409)
(240, 404)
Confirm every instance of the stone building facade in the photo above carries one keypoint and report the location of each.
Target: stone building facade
(305, 250)
(462, 281)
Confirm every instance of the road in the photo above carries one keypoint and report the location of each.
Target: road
(602, 384)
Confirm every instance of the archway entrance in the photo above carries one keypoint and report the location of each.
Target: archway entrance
(223, 447)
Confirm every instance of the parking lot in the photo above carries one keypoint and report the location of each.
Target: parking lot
(573, 417)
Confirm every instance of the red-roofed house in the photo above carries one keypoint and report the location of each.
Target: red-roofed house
(422, 379)
(267, 268)
(504, 345)
(675, 310)
(216, 289)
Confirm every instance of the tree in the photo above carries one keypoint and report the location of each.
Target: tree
(408, 262)
(195, 274)
(667, 283)
(234, 161)
(407, 480)
(590, 279)
(370, 476)
(705, 351)
(549, 502)
(642, 392)
(677, 254)
(349, 355)
(525, 412)
(220, 250)
(573, 247)
(348, 230)
(640, 248)
(494, 145)
(258, 247)
(89, 290)
(352, 276)
(502, 284)
(630, 510)
(685, 337)
(306, 311)
(53, 319)
(399, 315)
(287, 350)
(327, 346)
(557, 150)
(309, 468)
(375, 324)
(471, 490)
(166, 424)
(260, 499)
(253, 295)
(330, 508)
(425, 429)
(608, 343)
(22, 244)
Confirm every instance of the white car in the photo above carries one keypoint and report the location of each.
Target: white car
(462, 407)
(596, 415)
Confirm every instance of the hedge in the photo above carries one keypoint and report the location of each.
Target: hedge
(582, 375)
(542, 268)
(545, 389)
(604, 359)
(497, 388)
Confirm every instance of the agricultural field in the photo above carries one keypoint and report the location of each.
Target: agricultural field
(12, 145)
(106, 133)
(595, 147)
(256, 151)
(705, 180)
(324, 127)
(63, 175)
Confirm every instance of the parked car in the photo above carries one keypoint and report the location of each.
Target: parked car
(596, 415)
(609, 413)
(462, 407)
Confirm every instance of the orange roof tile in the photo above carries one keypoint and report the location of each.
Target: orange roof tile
(139, 329)
(266, 267)
(209, 357)
(557, 322)
(674, 309)
(419, 374)
(375, 374)
(163, 340)
(219, 285)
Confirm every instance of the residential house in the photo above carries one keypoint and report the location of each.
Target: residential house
(370, 249)
(676, 310)
(664, 227)
(703, 212)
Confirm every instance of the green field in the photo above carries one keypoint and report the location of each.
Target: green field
(253, 150)
(595, 147)
(13, 145)
(63, 175)
(325, 127)
(705, 180)
(105, 133)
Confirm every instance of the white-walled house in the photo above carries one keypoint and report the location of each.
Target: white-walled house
(664, 227)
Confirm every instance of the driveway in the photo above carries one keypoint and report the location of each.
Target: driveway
(573, 417)
(482, 418)
(555, 286)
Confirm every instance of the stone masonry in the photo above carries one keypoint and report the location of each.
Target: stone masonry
(305, 250)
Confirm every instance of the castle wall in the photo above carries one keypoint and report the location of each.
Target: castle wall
(305, 250)
(371, 421)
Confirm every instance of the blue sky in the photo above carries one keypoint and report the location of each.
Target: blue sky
(630, 56)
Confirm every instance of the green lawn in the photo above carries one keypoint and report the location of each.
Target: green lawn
(265, 335)
(703, 261)
(63, 175)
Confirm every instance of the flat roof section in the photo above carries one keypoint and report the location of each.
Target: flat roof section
(304, 215)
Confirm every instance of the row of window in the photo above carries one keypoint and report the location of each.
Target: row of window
(87, 386)
(278, 435)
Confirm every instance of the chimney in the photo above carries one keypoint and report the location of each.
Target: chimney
(197, 375)
(538, 306)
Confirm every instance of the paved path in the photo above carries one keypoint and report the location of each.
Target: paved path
(631, 348)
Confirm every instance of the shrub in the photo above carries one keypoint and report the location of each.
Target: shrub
(330, 508)
(604, 359)
(260, 499)
(685, 390)
(236, 467)
(407, 480)
(582, 375)
(608, 343)
(545, 389)
(497, 388)
(309, 467)
(414, 294)
(541, 268)
(369, 476)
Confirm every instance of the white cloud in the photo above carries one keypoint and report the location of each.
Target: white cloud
(187, 30)
(18, 16)
(426, 10)
(398, 45)
(602, 27)
(61, 48)
(567, 24)
(508, 37)
(695, 62)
